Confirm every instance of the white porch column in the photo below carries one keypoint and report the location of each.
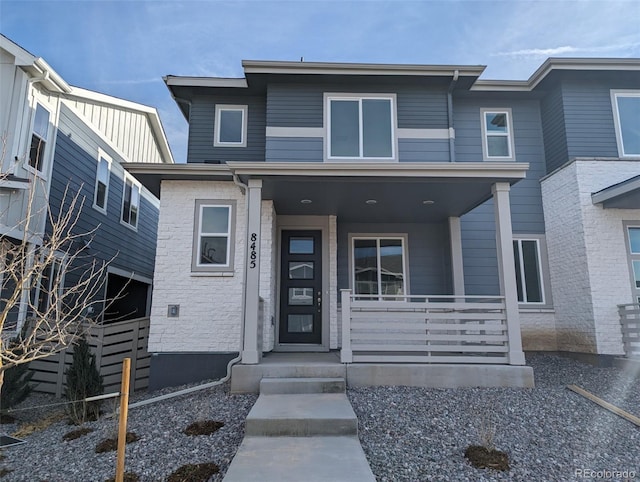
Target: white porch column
(250, 352)
(507, 270)
(457, 270)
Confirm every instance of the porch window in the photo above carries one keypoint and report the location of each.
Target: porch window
(230, 126)
(213, 241)
(529, 280)
(39, 138)
(360, 127)
(633, 252)
(497, 134)
(626, 112)
(379, 266)
(102, 182)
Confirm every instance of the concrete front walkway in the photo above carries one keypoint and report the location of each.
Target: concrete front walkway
(301, 429)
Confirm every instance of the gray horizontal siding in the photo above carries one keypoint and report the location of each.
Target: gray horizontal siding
(589, 121)
(553, 128)
(201, 130)
(298, 149)
(298, 105)
(428, 254)
(423, 150)
(133, 250)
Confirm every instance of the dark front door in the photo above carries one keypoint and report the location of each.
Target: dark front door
(301, 287)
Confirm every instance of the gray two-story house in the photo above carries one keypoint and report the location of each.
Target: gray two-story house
(62, 143)
(412, 217)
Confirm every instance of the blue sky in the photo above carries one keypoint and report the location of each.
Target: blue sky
(123, 48)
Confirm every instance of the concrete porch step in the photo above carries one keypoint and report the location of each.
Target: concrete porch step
(246, 378)
(271, 386)
(302, 415)
(295, 459)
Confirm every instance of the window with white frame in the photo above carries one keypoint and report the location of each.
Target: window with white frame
(528, 262)
(213, 243)
(103, 172)
(230, 126)
(633, 250)
(130, 201)
(626, 112)
(378, 266)
(360, 126)
(497, 134)
(39, 138)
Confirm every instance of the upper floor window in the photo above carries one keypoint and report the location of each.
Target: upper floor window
(626, 109)
(103, 172)
(213, 241)
(360, 126)
(497, 134)
(230, 126)
(379, 266)
(130, 201)
(39, 138)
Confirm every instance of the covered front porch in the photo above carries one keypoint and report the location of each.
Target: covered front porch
(395, 323)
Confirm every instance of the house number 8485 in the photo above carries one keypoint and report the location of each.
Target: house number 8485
(252, 252)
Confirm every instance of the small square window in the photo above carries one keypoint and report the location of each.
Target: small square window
(497, 134)
(230, 126)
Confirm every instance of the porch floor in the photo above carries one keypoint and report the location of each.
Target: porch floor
(246, 378)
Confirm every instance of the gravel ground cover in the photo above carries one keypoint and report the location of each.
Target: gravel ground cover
(549, 432)
(162, 448)
(408, 434)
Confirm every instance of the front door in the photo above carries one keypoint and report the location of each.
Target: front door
(301, 287)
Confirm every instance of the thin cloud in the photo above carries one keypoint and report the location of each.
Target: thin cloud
(567, 49)
(130, 81)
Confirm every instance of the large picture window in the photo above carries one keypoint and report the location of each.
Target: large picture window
(626, 111)
(230, 126)
(529, 280)
(39, 138)
(379, 266)
(360, 127)
(213, 236)
(497, 133)
(130, 202)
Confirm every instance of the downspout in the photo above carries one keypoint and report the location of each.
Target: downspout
(243, 187)
(452, 145)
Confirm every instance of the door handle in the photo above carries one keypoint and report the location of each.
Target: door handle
(319, 300)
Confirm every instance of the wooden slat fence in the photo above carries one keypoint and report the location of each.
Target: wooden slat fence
(422, 329)
(630, 327)
(111, 344)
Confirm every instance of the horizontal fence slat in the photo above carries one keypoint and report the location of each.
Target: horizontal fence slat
(426, 348)
(428, 359)
(423, 327)
(423, 337)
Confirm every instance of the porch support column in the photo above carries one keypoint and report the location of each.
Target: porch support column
(507, 270)
(251, 354)
(457, 270)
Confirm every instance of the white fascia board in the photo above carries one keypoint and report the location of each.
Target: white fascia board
(22, 57)
(557, 63)
(324, 68)
(612, 192)
(178, 169)
(176, 81)
(507, 170)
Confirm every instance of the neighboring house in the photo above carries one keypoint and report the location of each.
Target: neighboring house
(58, 137)
(400, 213)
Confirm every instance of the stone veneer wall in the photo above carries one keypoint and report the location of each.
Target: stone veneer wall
(538, 329)
(587, 254)
(210, 303)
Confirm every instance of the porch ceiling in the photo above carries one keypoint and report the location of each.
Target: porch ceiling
(418, 193)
